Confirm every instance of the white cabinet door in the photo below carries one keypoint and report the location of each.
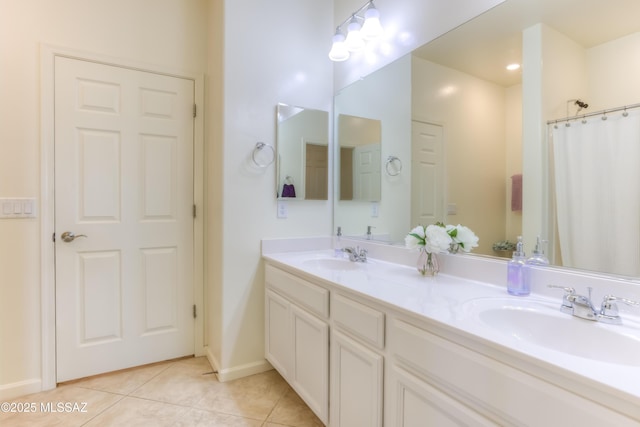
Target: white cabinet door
(412, 402)
(278, 333)
(311, 361)
(356, 383)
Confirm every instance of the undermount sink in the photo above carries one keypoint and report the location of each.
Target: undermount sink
(335, 264)
(545, 326)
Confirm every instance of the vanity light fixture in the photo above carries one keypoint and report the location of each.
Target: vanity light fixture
(339, 51)
(362, 26)
(354, 41)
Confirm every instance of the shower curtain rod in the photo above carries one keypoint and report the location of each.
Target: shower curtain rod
(597, 113)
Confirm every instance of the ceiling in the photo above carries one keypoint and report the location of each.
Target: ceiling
(485, 45)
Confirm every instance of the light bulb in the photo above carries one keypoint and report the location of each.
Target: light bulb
(338, 51)
(354, 41)
(371, 29)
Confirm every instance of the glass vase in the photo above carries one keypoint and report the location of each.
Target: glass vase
(427, 263)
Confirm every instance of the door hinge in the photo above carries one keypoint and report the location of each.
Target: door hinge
(53, 237)
(195, 110)
(195, 314)
(194, 210)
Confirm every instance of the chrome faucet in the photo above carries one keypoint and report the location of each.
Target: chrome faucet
(369, 227)
(356, 254)
(581, 306)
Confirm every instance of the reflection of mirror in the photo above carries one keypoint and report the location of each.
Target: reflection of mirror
(303, 153)
(359, 164)
(492, 123)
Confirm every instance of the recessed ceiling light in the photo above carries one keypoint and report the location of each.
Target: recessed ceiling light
(513, 67)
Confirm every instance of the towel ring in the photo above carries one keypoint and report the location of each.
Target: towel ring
(259, 147)
(393, 166)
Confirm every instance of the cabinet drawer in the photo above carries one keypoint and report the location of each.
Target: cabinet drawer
(361, 321)
(312, 297)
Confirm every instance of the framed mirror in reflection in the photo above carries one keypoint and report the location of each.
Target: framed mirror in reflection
(489, 166)
(359, 159)
(302, 153)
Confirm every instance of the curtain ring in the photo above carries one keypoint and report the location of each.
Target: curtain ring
(390, 166)
(258, 149)
(625, 113)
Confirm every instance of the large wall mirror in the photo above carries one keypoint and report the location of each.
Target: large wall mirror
(461, 123)
(302, 153)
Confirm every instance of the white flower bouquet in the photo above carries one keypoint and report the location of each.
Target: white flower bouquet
(438, 237)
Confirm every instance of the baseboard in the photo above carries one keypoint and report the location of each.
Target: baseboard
(13, 390)
(238, 371)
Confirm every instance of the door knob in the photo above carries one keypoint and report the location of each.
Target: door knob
(69, 236)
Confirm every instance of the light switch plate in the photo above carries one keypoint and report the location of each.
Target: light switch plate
(16, 208)
(282, 209)
(375, 209)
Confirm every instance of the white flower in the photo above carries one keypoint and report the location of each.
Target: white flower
(415, 238)
(463, 236)
(437, 238)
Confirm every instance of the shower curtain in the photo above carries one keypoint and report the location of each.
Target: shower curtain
(597, 187)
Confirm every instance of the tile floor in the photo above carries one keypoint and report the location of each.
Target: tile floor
(181, 393)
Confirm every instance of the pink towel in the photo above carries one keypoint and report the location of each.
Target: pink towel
(516, 193)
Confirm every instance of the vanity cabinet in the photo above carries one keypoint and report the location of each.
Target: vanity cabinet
(366, 363)
(435, 381)
(357, 363)
(297, 336)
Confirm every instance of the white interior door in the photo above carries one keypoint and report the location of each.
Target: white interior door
(427, 174)
(367, 172)
(124, 179)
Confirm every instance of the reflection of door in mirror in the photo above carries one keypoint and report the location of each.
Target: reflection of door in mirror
(360, 145)
(316, 171)
(366, 173)
(427, 183)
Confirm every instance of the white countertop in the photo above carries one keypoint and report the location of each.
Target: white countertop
(451, 301)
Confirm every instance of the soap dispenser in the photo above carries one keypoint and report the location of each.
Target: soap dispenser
(537, 258)
(515, 272)
(337, 245)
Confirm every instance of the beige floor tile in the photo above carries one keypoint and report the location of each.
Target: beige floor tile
(73, 411)
(292, 411)
(132, 412)
(252, 397)
(125, 381)
(202, 418)
(182, 383)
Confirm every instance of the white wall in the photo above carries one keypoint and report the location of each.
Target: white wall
(273, 52)
(165, 33)
(613, 70)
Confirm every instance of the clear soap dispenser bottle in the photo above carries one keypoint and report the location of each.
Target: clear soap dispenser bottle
(515, 272)
(337, 245)
(537, 258)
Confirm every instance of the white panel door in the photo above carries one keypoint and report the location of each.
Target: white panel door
(124, 187)
(367, 172)
(427, 176)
